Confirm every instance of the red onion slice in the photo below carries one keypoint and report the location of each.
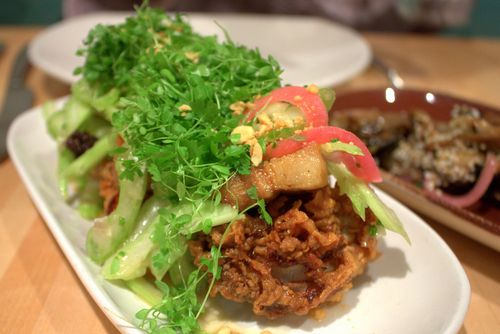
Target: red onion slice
(482, 184)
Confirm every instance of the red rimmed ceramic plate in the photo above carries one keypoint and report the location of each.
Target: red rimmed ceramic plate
(480, 221)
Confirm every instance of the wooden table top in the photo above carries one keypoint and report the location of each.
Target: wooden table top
(40, 293)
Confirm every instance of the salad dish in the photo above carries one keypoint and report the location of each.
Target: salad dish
(199, 174)
(442, 149)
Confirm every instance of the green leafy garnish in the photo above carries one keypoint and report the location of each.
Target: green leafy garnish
(362, 197)
(167, 92)
(261, 205)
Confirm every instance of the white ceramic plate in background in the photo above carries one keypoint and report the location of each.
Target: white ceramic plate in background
(310, 49)
(414, 289)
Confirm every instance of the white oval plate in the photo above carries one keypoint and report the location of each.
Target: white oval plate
(414, 289)
(310, 49)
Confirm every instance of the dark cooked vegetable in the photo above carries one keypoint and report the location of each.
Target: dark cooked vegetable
(79, 142)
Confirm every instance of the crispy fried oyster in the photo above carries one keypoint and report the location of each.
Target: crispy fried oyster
(309, 256)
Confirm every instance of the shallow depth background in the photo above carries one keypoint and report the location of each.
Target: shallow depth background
(484, 20)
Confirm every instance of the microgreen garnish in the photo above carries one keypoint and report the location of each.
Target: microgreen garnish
(261, 204)
(372, 230)
(174, 89)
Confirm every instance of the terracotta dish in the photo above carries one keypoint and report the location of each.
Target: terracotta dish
(481, 221)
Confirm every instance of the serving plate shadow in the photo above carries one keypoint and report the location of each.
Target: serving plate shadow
(481, 221)
(398, 288)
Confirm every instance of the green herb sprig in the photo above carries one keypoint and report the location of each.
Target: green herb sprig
(175, 89)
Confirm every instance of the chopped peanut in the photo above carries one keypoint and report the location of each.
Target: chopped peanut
(298, 121)
(256, 153)
(238, 107)
(193, 56)
(313, 89)
(246, 133)
(250, 105)
(264, 119)
(185, 107)
(283, 123)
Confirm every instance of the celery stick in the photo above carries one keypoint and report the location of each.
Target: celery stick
(48, 109)
(181, 269)
(66, 157)
(163, 258)
(105, 103)
(362, 197)
(63, 123)
(90, 203)
(88, 160)
(96, 126)
(145, 290)
(140, 251)
(89, 210)
(207, 211)
(132, 259)
(147, 214)
(327, 95)
(108, 233)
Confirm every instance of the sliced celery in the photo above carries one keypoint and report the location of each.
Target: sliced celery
(64, 122)
(145, 290)
(105, 103)
(327, 96)
(362, 196)
(107, 234)
(94, 155)
(140, 251)
(132, 259)
(66, 157)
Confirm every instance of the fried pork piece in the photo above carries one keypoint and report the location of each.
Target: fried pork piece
(309, 256)
(299, 171)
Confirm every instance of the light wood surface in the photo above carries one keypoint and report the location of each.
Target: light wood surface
(40, 293)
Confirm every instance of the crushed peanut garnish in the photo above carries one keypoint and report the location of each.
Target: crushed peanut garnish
(184, 107)
(247, 133)
(256, 153)
(193, 56)
(313, 89)
(238, 107)
(264, 119)
(283, 123)
(247, 137)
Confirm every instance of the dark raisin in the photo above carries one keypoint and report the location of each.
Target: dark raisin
(79, 142)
